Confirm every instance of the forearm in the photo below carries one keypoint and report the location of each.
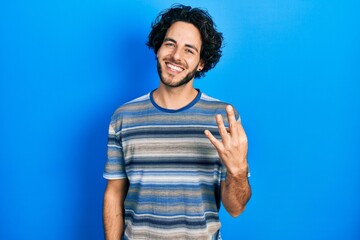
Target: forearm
(235, 193)
(113, 215)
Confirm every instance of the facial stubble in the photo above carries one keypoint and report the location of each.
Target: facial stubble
(182, 82)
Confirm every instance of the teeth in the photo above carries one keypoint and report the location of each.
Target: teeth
(175, 68)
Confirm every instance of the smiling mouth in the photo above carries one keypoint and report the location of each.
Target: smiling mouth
(174, 68)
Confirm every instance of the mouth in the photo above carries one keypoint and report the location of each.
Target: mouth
(174, 68)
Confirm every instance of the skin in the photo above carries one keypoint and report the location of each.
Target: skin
(181, 49)
(178, 60)
(232, 150)
(113, 210)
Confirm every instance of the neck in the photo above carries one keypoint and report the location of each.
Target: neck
(174, 98)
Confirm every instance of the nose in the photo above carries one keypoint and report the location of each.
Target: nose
(177, 54)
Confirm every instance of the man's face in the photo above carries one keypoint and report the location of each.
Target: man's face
(178, 58)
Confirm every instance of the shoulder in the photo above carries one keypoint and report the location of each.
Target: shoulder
(219, 106)
(211, 102)
(132, 105)
(130, 108)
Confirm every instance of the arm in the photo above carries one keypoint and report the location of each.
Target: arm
(235, 193)
(113, 211)
(232, 150)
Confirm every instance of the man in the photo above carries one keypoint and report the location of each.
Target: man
(176, 153)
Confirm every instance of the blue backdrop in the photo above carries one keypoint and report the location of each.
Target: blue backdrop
(291, 68)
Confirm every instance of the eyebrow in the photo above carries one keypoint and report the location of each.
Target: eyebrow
(186, 45)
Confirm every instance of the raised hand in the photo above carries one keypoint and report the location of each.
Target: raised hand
(233, 147)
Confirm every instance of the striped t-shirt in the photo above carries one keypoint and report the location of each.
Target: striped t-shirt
(174, 171)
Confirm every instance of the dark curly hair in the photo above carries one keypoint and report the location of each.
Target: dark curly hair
(211, 39)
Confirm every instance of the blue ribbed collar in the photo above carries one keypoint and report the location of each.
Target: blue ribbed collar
(192, 103)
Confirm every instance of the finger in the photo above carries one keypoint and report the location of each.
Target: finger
(222, 129)
(233, 124)
(241, 131)
(217, 144)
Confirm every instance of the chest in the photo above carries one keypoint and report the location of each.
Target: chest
(155, 149)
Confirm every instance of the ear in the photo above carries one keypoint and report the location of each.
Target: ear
(201, 65)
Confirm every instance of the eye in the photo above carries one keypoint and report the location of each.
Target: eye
(169, 44)
(189, 51)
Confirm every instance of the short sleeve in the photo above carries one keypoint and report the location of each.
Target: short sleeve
(115, 164)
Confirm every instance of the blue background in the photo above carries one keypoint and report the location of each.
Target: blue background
(291, 68)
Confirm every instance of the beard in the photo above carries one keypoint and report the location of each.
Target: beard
(182, 82)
